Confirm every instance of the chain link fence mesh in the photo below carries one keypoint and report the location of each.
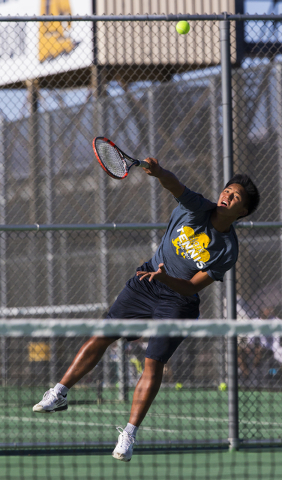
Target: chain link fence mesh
(150, 105)
(171, 111)
(257, 103)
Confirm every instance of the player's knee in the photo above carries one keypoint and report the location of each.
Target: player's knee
(153, 369)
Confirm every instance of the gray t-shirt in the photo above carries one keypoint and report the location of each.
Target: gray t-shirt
(191, 243)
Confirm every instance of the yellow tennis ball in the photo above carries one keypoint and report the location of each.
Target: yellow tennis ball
(222, 387)
(182, 27)
(178, 386)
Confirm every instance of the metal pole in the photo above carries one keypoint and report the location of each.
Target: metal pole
(216, 180)
(279, 141)
(35, 180)
(232, 361)
(140, 18)
(114, 227)
(217, 290)
(49, 209)
(3, 249)
(122, 371)
(49, 237)
(63, 261)
(98, 89)
(153, 181)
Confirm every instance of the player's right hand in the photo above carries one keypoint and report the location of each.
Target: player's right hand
(154, 168)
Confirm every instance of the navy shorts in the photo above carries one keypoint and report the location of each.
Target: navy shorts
(154, 300)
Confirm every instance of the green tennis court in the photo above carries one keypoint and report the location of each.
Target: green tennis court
(176, 417)
(184, 435)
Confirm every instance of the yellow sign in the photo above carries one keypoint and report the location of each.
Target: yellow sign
(54, 37)
(137, 364)
(39, 352)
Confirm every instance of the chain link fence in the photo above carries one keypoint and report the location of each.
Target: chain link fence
(149, 108)
(49, 175)
(154, 93)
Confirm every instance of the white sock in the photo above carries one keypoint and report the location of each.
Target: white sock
(131, 429)
(59, 388)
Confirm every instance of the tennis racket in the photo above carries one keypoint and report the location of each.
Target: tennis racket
(113, 160)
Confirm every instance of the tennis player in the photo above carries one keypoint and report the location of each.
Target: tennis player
(198, 247)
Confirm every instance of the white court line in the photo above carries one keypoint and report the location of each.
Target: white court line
(94, 424)
(184, 417)
(86, 424)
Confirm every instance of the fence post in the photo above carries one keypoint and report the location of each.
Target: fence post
(3, 249)
(217, 287)
(122, 371)
(278, 75)
(35, 183)
(3, 237)
(153, 181)
(214, 86)
(49, 208)
(100, 125)
(232, 361)
(49, 236)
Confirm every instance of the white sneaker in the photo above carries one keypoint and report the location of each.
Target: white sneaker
(51, 402)
(124, 447)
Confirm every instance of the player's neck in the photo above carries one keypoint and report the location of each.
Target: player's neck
(221, 223)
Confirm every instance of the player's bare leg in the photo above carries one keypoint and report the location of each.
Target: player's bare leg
(144, 394)
(86, 359)
(146, 390)
(55, 399)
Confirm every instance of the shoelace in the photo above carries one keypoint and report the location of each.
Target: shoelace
(48, 394)
(127, 439)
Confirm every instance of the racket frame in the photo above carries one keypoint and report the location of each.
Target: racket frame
(123, 155)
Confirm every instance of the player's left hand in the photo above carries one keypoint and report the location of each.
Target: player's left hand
(158, 275)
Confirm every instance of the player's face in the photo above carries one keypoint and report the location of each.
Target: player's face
(232, 201)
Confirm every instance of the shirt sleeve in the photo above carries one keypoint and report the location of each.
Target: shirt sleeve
(218, 272)
(195, 201)
(216, 275)
(227, 259)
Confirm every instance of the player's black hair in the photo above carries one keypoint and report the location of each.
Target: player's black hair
(250, 188)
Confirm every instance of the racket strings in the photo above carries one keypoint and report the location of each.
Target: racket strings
(111, 159)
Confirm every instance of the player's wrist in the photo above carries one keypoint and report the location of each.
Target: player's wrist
(163, 173)
(158, 171)
(166, 177)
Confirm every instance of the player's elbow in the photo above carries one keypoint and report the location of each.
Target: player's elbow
(191, 289)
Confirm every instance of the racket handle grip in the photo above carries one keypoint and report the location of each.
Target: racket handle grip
(142, 164)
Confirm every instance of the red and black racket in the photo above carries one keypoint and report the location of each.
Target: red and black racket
(113, 160)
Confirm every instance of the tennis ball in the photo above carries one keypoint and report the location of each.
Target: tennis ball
(182, 27)
(178, 386)
(222, 387)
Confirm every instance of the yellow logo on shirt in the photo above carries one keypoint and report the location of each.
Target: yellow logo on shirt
(192, 246)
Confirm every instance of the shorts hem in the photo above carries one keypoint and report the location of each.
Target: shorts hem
(154, 357)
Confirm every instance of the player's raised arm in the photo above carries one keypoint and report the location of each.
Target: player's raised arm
(166, 178)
